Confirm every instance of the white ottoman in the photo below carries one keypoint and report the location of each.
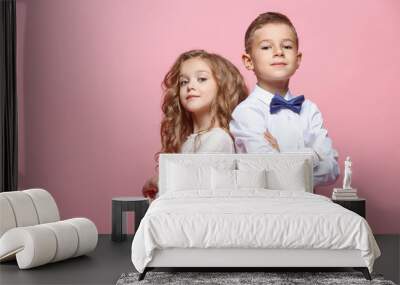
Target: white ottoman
(31, 232)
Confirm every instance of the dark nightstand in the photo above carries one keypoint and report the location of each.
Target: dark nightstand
(357, 205)
(120, 205)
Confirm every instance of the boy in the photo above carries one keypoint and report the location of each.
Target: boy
(271, 119)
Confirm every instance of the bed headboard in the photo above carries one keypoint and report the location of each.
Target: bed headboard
(232, 160)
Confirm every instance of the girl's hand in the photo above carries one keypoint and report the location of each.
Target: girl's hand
(150, 188)
(271, 140)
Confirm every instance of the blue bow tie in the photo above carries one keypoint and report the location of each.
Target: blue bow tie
(278, 103)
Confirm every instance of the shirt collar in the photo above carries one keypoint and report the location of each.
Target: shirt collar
(266, 96)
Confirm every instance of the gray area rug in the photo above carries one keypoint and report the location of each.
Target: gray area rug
(269, 278)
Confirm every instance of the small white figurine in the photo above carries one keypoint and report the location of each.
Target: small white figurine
(347, 174)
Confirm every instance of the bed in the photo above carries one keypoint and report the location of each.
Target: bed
(247, 210)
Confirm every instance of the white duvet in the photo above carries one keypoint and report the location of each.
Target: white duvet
(252, 218)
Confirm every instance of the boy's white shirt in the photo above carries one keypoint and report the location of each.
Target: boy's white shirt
(293, 132)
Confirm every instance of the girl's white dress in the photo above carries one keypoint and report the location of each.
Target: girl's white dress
(217, 140)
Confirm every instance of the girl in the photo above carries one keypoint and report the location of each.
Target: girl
(200, 92)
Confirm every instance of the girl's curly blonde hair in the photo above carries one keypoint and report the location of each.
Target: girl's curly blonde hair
(177, 123)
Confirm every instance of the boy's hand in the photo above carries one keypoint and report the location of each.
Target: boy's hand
(271, 140)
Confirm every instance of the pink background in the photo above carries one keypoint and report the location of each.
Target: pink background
(89, 75)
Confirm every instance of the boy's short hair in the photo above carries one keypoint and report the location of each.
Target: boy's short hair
(262, 20)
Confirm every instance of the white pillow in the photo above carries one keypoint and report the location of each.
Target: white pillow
(251, 178)
(223, 179)
(237, 179)
(292, 179)
(281, 175)
(181, 178)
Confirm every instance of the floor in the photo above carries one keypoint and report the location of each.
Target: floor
(102, 266)
(111, 259)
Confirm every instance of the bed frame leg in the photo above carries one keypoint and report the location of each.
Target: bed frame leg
(364, 271)
(143, 274)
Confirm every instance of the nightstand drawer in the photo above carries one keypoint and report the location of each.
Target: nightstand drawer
(357, 206)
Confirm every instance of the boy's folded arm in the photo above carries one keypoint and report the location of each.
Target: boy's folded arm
(326, 171)
(248, 128)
